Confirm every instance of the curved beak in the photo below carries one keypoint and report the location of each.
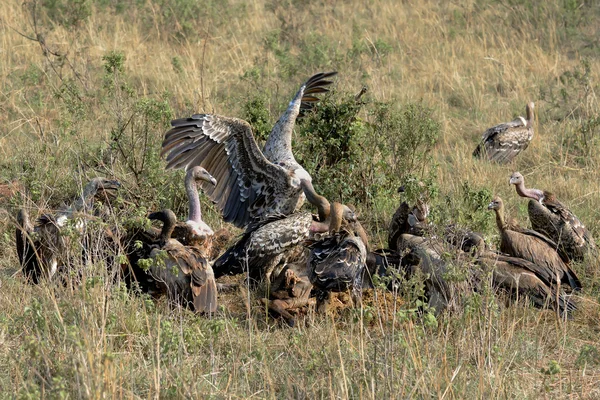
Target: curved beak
(491, 206)
(512, 181)
(209, 178)
(111, 185)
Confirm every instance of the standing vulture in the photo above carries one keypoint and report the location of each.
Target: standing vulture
(252, 184)
(503, 142)
(274, 241)
(181, 272)
(551, 218)
(337, 262)
(534, 247)
(43, 249)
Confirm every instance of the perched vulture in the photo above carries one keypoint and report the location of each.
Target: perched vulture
(551, 218)
(252, 184)
(181, 272)
(42, 249)
(337, 261)
(503, 142)
(534, 247)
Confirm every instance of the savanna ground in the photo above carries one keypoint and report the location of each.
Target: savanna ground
(88, 88)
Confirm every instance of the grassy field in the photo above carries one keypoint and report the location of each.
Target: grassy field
(88, 88)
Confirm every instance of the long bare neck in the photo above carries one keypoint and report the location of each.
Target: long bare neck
(335, 222)
(535, 194)
(316, 200)
(191, 189)
(279, 143)
(529, 116)
(500, 219)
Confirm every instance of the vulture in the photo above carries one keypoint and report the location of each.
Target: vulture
(504, 142)
(274, 241)
(337, 261)
(252, 184)
(42, 249)
(551, 218)
(534, 247)
(519, 277)
(181, 272)
(407, 220)
(429, 256)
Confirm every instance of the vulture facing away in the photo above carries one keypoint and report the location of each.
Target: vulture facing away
(274, 241)
(337, 261)
(533, 247)
(181, 272)
(251, 184)
(551, 218)
(502, 143)
(42, 249)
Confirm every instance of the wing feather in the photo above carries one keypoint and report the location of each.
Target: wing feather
(249, 186)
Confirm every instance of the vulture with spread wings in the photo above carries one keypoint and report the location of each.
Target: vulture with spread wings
(251, 184)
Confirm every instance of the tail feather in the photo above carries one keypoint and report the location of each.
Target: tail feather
(205, 296)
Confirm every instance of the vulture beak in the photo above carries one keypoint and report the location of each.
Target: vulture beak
(511, 181)
(206, 177)
(491, 206)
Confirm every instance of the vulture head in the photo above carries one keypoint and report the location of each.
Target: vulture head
(99, 186)
(496, 204)
(516, 179)
(200, 174)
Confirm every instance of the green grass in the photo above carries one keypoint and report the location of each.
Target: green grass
(95, 96)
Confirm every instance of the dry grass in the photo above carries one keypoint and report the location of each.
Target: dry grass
(476, 63)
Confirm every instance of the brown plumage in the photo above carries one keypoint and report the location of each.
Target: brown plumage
(521, 278)
(43, 249)
(502, 143)
(274, 241)
(290, 289)
(408, 220)
(553, 219)
(337, 261)
(251, 184)
(181, 272)
(534, 247)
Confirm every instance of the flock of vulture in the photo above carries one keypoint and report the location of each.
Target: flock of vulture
(301, 257)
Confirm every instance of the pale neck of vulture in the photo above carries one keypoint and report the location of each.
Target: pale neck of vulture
(522, 191)
(335, 218)
(315, 199)
(191, 188)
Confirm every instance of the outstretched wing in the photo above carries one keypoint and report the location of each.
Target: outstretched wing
(249, 186)
(503, 142)
(278, 148)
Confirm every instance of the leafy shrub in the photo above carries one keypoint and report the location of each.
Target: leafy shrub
(360, 150)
